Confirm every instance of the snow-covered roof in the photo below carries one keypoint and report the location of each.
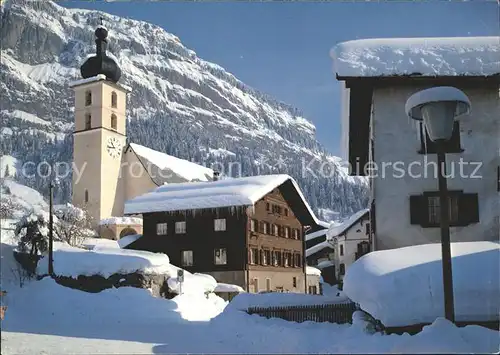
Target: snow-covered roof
(320, 246)
(96, 78)
(128, 239)
(316, 234)
(222, 287)
(245, 191)
(313, 271)
(324, 264)
(449, 56)
(386, 282)
(164, 168)
(121, 220)
(337, 229)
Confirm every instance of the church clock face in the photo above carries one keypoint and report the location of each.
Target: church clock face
(113, 147)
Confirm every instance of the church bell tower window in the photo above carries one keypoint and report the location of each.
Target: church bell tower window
(88, 98)
(114, 99)
(88, 121)
(113, 121)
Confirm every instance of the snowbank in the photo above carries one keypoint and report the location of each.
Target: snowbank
(97, 243)
(193, 284)
(72, 262)
(453, 56)
(386, 282)
(275, 299)
(312, 271)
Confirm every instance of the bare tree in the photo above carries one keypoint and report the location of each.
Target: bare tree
(73, 225)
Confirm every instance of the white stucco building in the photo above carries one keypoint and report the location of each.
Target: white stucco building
(378, 76)
(350, 240)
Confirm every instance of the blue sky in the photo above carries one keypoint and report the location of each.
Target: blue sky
(283, 48)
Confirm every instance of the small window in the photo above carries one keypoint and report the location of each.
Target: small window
(276, 258)
(180, 227)
(287, 232)
(341, 250)
(88, 98)
(286, 259)
(114, 99)
(341, 269)
(294, 282)
(313, 290)
(161, 229)
(253, 225)
(264, 260)
(367, 229)
(187, 258)
(265, 228)
(268, 285)
(254, 256)
(114, 121)
(286, 212)
(86, 196)
(88, 121)
(267, 206)
(220, 257)
(256, 285)
(220, 224)
(451, 146)
(276, 230)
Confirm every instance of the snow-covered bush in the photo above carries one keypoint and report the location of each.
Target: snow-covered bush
(74, 224)
(32, 232)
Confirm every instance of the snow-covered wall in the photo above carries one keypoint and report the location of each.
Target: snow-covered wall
(396, 139)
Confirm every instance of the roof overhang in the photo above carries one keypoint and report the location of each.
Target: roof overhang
(360, 106)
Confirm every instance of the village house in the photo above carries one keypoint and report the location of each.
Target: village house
(320, 254)
(246, 231)
(378, 76)
(350, 240)
(107, 169)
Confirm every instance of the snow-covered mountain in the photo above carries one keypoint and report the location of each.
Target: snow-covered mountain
(180, 104)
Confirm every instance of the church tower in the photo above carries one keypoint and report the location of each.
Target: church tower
(99, 135)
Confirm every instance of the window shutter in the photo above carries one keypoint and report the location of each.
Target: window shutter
(418, 210)
(468, 209)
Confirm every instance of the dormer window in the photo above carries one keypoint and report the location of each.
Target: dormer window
(88, 98)
(88, 121)
(114, 121)
(114, 100)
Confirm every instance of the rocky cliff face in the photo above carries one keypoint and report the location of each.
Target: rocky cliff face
(180, 104)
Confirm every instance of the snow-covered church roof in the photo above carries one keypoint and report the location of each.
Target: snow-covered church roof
(164, 168)
(449, 56)
(245, 191)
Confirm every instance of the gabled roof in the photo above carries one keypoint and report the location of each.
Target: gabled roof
(245, 191)
(418, 57)
(164, 168)
(336, 230)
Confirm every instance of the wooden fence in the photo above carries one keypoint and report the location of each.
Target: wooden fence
(334, 313)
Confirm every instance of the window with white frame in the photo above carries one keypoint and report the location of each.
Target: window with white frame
(161, 228)
(187, 258)
(276, 229)
(287, 232)
(220, 224)
(253, 225)
(220, 256)
(180, 227)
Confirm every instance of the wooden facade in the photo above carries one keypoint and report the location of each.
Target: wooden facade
(263, 244)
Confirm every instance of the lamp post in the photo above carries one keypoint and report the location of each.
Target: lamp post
(438, 108)
(51, 229)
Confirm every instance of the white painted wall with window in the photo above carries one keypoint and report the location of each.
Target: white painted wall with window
(397, 139)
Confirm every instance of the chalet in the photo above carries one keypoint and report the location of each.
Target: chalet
(350, 240)
(378, 76)
(246, 231)
(320, 254)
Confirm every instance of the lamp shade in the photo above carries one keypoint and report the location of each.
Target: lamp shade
(438, 107)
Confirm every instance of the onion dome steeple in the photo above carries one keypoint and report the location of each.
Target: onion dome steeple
(101, 63)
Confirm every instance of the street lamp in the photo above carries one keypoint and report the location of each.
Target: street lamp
(438, 108)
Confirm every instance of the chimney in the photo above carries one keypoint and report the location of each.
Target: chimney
(216, 175)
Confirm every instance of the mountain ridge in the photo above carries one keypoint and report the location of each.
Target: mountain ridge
(180, 104)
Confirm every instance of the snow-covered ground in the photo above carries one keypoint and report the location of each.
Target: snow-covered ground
(46, 318)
